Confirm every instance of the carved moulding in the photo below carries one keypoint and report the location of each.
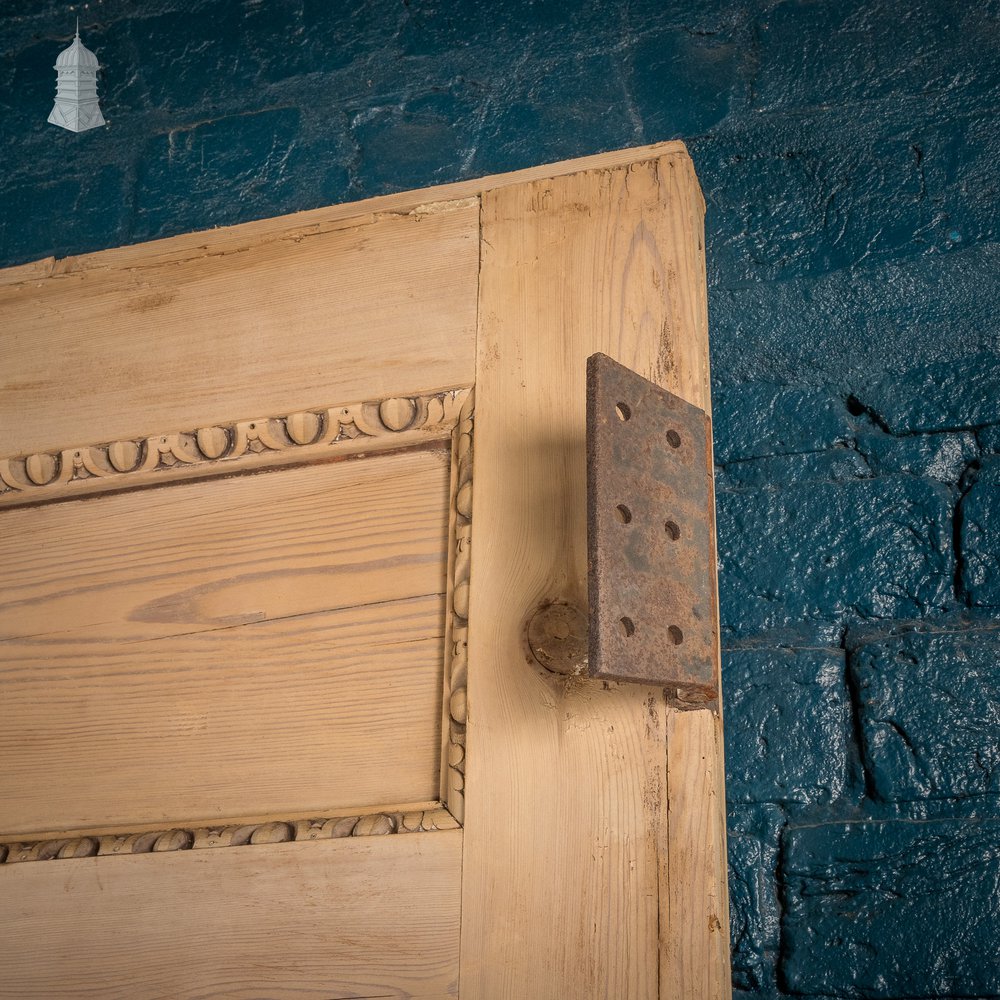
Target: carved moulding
(199, 838)
(457, 625)
(334, 431)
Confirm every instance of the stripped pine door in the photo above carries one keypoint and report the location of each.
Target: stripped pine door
(271, 726)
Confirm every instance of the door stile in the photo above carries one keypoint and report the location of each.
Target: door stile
(568, 846)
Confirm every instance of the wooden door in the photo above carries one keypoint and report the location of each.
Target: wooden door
(271, 727)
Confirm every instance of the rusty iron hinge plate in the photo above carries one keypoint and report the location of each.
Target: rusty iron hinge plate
(653, 613)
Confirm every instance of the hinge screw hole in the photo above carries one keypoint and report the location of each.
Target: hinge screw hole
(673, 439)
(624, 514)
(672, 529)
(626, 626)
(624, 411)
(676, 635)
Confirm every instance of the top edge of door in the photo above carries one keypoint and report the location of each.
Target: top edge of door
(418, 201)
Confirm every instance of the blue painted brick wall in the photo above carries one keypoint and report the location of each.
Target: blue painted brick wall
(848, 150)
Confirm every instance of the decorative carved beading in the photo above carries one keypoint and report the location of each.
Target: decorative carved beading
(231, 447)
(279, 832)
(456, 643)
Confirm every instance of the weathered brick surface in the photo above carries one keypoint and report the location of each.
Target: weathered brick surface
(756, 419)
(929, 712)
(854, 51)
(251, 151)
(836, 465)
(989, 439)
(788, 724)
(705, 66)
(980, 540)
(754, 912)
(798, 223)
(29, 212)
(959, 160)
(833, 552)
(944, 457)
(853, 325)
(937, 397)
(892, 909)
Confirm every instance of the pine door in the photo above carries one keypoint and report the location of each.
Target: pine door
(278, 503)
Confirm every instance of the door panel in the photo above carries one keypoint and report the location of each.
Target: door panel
(154, 641)
(179, 738)
(163, 340)
(357, 917)
(197, 557)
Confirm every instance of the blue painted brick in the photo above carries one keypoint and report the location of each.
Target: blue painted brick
(788, 724)
(571, 104)
(892, 909)
(959, 166)
(410, 146)
(803, 196)
(857, 51)
(961, 393)
(232, 168)
(855, 327)
(943, 457)
(815, 553)
(836, 465)
(754, 911)
(326, 37)
(29, 88)
(989, 439)
(980, 538)
(430, 27)
(929, 711)
(74, 213)
(196, 62)
(758, 419)
(683, 82)
(700, 17)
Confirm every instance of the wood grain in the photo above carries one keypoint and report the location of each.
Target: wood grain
(566, 829)
(199, 557)
(329, 710)
(383, 306)
(255, 645)
(695, 950)
(363, 917)
(694, 953)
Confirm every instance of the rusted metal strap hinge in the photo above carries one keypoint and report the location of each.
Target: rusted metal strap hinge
(653, 611)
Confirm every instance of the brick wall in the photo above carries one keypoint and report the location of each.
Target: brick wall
(848, 150)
